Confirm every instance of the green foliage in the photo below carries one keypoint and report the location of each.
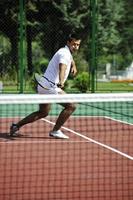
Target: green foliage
(5, 49)
(63, 17)
(81, 62)
(82, 82)
(40, 62)
(110, 14)
(43, 64)
(32, 83)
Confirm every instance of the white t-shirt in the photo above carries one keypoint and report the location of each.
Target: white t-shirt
(63, 56)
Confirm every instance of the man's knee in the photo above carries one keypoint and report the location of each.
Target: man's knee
(71, 107)
(44, 110)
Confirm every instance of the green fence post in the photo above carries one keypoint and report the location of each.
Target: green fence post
(93, 5)
(21, 44)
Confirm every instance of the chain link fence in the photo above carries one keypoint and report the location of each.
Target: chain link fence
(32, 30)
(9, 44)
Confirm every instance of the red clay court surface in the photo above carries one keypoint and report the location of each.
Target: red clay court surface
(36, 167)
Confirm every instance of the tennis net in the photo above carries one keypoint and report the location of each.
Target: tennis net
(95, 163)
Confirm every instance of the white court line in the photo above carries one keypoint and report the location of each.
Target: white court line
(117, 120)
(106, 117)
(42, 141)
(94, 141)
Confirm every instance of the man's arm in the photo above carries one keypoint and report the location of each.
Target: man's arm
(73, 68)
(62, 69)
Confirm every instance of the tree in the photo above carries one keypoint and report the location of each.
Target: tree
(126, 31)
(9, 27)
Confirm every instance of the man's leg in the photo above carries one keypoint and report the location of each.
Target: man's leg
(41, 113)
(64, 115)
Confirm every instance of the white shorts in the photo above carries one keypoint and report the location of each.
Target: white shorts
(49, 88)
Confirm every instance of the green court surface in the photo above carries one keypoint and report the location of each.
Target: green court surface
(122, 111)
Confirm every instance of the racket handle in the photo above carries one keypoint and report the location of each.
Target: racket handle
(59, 85)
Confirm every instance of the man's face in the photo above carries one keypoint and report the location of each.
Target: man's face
(74, 45)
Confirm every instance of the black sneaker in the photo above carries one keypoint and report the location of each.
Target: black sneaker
(14, 130)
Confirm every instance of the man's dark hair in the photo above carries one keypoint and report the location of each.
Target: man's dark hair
(73, 36)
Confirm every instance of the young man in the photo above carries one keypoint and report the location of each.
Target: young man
(59, 67)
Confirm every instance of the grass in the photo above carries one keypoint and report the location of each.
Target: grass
(106, 87)
(14, 89)
(114, 87)
(100, 87)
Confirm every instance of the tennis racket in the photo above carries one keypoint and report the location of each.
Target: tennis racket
(39, 80)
